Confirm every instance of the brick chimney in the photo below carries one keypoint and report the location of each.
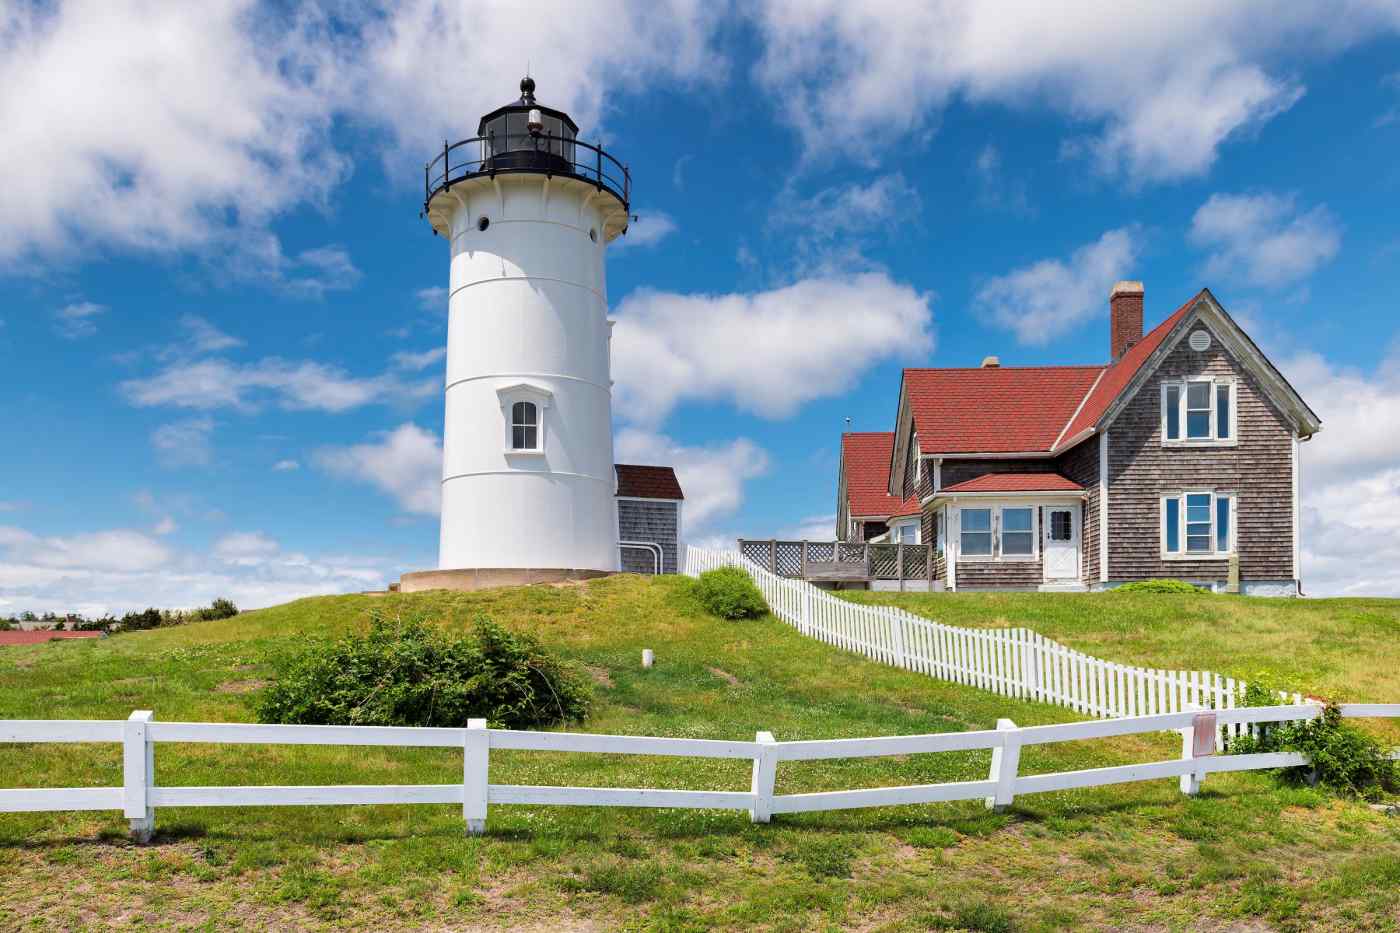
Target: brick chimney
(1125, 317)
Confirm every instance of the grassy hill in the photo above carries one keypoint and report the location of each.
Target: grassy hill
(1248, 852)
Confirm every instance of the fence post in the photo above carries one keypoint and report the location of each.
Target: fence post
(138, 775)
(897, 637)
(1006, 761)
(804, 558)
(1198, 741)
(765, 773)
(476, 761)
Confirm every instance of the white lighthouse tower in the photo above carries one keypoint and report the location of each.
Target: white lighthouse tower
(528, 481)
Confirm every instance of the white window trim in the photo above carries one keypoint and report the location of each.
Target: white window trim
(902, 524)
(1183, 554)
(525, 392)
(1215, 381)
(997, 557)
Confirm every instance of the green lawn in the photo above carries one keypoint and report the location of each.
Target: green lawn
(1248, 853)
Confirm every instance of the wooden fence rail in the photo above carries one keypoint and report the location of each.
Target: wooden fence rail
(140, 796)
(1014, 662)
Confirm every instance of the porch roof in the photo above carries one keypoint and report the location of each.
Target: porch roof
(1015, 482)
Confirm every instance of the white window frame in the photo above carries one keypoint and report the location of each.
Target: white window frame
(1213, 440)
(902, 526)
(998, 554)
(525, 392)
(1215, 553)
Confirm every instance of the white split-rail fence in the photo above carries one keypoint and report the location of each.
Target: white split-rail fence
(140, 795)
(1014, 662)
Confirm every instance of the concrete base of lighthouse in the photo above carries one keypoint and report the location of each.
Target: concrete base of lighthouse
(485, 578)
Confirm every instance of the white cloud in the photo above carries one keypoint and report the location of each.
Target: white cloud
(121, 570)
(1264, 239)
(996, 192)
(766, 352)
(204, 337)
(833, 226)
(712, 476)
(317, 271)
(296, 386)
(1160, 87)
(184, 443)
(433, 298)
(177, 130)
(418, 361)
(650, 228)
(406, 463)
(1348, 477)
(245, 548)
(286, 466)
(166, 526)
(811, 528)
(1051, 297)
(77, 320)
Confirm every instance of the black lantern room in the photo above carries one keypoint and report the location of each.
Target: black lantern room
(527, 137)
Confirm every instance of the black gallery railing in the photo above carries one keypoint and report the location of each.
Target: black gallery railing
(501, 154)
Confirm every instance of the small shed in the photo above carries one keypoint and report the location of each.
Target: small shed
(649, 501)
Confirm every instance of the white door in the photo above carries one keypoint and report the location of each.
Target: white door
(1062, 544)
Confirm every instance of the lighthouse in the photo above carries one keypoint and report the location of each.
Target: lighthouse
(529, 487)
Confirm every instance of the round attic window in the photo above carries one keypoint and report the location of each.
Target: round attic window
(1200, 340)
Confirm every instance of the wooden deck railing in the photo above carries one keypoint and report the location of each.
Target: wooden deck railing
(840, 561)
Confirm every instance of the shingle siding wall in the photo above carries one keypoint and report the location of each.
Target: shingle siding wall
(647, 520)
(1258, 470)
(960, 471)
(1000, 574)
(1082, 465)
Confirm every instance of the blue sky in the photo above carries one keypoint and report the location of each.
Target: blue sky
(221, 317)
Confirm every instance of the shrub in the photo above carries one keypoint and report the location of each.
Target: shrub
(1345, 758)
(730, 593)
(1159, 586)
(409, 674)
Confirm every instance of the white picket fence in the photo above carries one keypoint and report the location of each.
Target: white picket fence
(1014, 662)
(140, 796)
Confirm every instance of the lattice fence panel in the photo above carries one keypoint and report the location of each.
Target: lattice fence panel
(756, 551)
(790, 558)
(821, 551)
(884, 561)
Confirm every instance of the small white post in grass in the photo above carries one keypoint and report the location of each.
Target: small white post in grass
(138, 775)
(476, 761)
(1006, 761)
(648, 657)
(1197, 742)
(765, 774)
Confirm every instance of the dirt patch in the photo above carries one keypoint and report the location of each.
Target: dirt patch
(600, 675)
(725, 676)
(240, 686)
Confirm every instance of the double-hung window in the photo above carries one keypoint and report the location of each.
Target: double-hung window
(1002, 532)
(1198, 411)
(1198, 525)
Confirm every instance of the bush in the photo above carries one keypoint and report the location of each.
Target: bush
(1345, 758)
(408, 674)
(730, 593)
(1159, 586)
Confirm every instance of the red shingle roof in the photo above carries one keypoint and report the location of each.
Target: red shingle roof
(995, 409)
(647, 482)
(1117, 376)
(35, 638)
(866, 459)
(1017, 482)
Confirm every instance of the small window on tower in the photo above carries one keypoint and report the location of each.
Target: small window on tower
(524, 426)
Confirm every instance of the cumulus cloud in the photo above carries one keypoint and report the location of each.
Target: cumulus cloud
(1349, 480)
(432, 298)
(766, 352)
(122, 570)
(286, 466)
(1051, 297)
(77, 320)
(184, 443)
(650, 228)
(995, 191)
(204, 337)
(712, 476)
(834, 225)
(1159, 89)
(811, 528)
(405, 463)
(295, 386)
(418, 361)
(1264, 239)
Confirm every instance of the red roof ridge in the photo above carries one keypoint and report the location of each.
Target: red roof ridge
(976, 369)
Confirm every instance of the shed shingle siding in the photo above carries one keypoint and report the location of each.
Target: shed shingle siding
(1258, 471)
(655, 521)
(1006, 574)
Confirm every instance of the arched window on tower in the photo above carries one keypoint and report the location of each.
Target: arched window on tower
(524, 426)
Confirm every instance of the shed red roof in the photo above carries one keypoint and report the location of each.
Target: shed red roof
(865, 456)
(647, 482)
(1016, 482)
